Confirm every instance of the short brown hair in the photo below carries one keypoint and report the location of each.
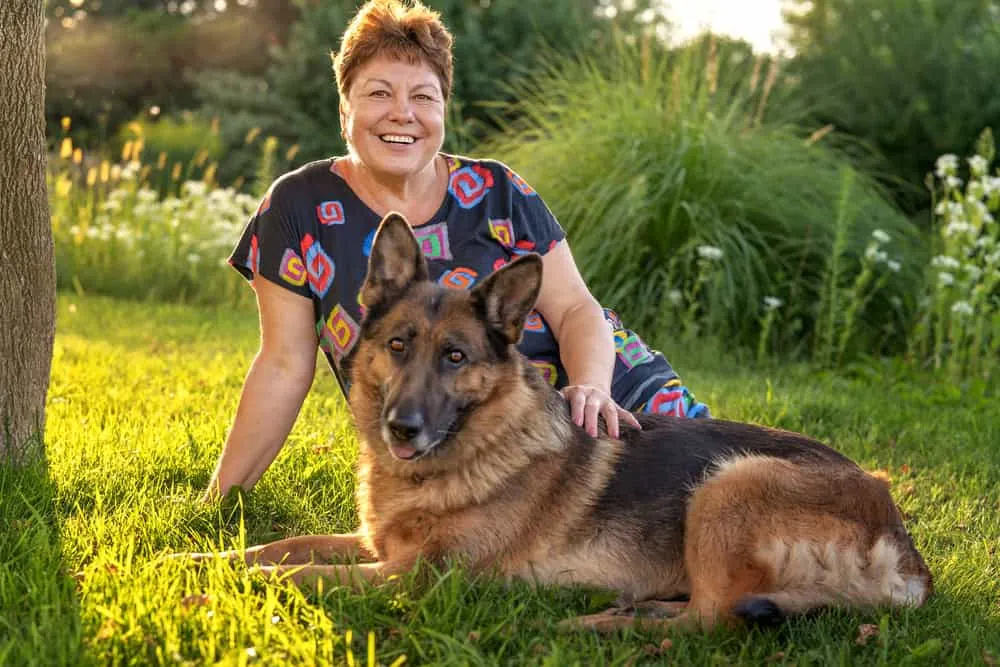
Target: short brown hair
(401, 30)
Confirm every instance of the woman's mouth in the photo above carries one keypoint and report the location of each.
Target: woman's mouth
(397, 139)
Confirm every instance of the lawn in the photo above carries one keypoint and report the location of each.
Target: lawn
(142, 395)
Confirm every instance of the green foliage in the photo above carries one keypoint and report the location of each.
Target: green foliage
(686, 204)
(123, 236)
(495, 42)
(119, 60)
(141, 396)
(185, 139)
(913, 78)
(959, 320)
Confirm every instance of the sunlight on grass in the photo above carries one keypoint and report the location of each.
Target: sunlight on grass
(141, 399)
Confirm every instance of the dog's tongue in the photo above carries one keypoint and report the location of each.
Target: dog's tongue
(404, 451)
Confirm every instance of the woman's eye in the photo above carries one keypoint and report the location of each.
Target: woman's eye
(380, 93)
(456, 356)
(397, 345)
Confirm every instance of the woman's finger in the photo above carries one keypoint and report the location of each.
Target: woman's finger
(593, 407)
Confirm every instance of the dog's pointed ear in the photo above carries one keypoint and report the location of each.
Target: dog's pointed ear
(507, 296)
(394, 264)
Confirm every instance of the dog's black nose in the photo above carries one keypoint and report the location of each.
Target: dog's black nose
(405, 426)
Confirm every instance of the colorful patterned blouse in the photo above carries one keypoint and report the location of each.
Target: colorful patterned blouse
(312, 235)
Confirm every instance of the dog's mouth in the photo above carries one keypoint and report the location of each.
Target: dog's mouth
(422, 446)
(405, 452)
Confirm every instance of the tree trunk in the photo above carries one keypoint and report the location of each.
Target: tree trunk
(27, 268)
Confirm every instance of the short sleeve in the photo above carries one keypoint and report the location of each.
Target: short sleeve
(271, 245)
(535, 227)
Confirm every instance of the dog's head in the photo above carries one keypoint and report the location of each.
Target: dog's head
(429, 356)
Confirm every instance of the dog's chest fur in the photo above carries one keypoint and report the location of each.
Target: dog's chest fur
(545, 522)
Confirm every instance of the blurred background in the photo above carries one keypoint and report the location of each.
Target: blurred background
(800, 179)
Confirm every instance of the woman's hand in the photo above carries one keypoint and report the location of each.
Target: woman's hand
(586, 402)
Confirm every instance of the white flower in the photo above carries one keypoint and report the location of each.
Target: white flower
(193, 258)
(674, 296)
(953, 182)
(962, 308)
(251, 652)
(275, 620)
(881, 236)
(874, 254)
(773, 302)
(973, 271)
(978, 165)
(131, 170)
(893, 265)
(195, 188)
(991, 184)
(946, 279)
(146, 195)
(993, 258)
(709, 252)
(954, 228)
(950, 209)
(945, 262)
(946, 164)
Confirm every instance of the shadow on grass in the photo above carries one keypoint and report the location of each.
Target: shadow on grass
(40, 620)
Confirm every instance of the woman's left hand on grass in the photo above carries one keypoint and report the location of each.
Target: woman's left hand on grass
(586, 402)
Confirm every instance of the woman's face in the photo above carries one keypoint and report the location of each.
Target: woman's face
(394, 116)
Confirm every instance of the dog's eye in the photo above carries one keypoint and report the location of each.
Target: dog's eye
(456, 356)
(397, 345)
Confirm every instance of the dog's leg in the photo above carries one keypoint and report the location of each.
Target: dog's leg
(354, 576)
(293, 550)
(648, 614)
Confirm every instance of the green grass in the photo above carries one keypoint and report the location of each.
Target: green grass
(140, 401)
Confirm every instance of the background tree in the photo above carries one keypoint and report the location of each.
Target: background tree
(912, 78)
(27, 280)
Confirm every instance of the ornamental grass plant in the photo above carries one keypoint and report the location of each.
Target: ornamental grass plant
(695, 198)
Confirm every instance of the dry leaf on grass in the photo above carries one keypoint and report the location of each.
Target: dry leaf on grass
(865, 632)
(107, 630)
(196, 600)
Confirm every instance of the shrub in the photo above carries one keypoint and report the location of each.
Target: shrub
(687, 205)
(913, 78)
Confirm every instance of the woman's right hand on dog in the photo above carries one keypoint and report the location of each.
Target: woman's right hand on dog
(586, 402)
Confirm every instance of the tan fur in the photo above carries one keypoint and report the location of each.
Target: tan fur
(517, 489)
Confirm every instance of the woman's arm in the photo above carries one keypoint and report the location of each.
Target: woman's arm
(273, 391)
(586, 346)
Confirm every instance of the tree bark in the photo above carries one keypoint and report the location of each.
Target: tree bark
(27, 267)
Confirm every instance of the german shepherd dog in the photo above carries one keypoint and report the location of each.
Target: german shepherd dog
(468, 455)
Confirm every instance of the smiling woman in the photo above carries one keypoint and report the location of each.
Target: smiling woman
(306, 250)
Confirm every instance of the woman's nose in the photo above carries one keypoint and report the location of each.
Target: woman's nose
(402, 110)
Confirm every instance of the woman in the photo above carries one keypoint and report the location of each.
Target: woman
(305, 250)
